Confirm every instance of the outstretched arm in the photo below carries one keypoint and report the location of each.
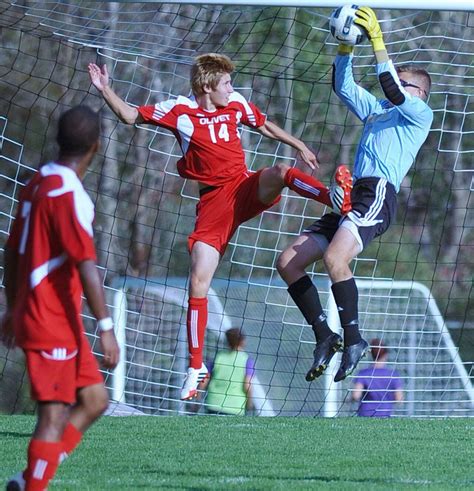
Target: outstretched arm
(100, 79)
(271, 130)
(413, 108)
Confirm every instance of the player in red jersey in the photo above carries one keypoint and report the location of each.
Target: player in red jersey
(50, 261)
(206, 127)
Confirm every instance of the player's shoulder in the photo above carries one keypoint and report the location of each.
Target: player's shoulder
(60, 180)
(237, 97)
(239, 103)
(69, 192)
(180, 104)
(367, 372)
(394, 373)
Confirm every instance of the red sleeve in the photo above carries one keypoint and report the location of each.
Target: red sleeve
(161, 114)
(13, 241)
(251, 114)
(255, 117)
(73, 226)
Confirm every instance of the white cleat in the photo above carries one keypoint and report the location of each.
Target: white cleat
(16, 483)
(193, 378)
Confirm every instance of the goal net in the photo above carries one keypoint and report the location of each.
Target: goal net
(415, 282)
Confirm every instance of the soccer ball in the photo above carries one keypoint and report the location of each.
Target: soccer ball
(341, 24)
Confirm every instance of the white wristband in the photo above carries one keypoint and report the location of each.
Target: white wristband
(105, 324)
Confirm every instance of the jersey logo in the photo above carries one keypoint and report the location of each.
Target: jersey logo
(59, 354)
(222, 118)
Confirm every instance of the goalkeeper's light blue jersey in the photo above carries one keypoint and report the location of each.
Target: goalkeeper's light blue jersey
(392, 135)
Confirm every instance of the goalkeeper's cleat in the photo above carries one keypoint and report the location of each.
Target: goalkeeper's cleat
(323, 354)
(194, 378)
(340, 190)
(350, 358)
(16, 483)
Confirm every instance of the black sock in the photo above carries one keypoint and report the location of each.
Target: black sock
(306, 297)
(346, 296)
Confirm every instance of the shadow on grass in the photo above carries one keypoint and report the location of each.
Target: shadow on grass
(16, 434)
(314, 478)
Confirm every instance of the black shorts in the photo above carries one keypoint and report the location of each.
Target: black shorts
(374, 206)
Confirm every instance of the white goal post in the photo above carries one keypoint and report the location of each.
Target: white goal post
(403, 314)
(173, 345)
(465, 5)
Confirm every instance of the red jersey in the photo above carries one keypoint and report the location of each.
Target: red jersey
(210, 141)
(51, 234)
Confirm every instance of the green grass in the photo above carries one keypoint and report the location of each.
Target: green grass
(257, 453)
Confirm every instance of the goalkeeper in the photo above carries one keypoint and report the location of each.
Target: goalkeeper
(394, 130)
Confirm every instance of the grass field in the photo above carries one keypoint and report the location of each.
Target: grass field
(258, 453)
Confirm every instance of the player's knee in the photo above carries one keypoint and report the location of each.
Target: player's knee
(332, 261)
(282, 264)
(96, 405)
(289, 267)
(281, 170)
(102, 402)
(199, 286)
(51, 422)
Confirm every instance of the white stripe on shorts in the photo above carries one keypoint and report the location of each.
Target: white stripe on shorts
(368, 220)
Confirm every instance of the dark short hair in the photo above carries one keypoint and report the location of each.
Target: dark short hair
(234, 337)
(78, 130)
(378, 348)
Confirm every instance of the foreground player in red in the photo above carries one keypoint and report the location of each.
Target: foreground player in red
(50, 261)
(206, 127)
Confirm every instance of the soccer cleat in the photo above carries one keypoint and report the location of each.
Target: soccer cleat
(340, 190)
(194, 378)
(16, 483)
(323, 354)
(350, 358)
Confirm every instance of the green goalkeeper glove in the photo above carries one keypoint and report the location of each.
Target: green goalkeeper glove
(345, 49)
(366, 18)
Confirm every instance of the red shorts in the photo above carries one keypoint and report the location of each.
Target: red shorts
(56, 374)
(221, 210)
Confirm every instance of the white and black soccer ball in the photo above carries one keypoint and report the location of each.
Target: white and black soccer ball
(342, 27)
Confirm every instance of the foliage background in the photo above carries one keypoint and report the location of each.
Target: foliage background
(283, 58)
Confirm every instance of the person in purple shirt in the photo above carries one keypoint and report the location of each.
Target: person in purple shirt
(377, 388)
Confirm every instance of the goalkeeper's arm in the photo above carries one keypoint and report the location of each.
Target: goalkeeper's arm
(366, 18)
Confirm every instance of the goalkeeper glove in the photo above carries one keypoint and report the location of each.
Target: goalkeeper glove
(345, 49)
(366, 18)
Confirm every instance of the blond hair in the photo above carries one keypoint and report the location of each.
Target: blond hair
(421, 76)
(208, 70)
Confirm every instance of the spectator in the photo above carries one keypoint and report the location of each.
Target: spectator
(376, 388)
(229, 389)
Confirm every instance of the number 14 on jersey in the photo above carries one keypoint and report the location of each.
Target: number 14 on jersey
(223, 132)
